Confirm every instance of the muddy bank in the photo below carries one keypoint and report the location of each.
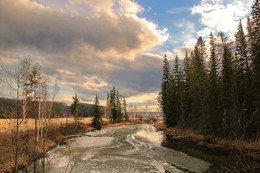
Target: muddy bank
(244, 154)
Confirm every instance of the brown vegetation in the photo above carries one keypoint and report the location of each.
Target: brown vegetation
(249, 147)
(58, 131)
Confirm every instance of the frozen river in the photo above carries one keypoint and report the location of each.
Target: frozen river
(123, 149)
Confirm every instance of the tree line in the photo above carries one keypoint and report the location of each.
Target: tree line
(115, 110)
(116, 106)
(216, 89)
(59, 109)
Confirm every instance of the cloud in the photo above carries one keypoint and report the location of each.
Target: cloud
(30, 24)
(87, 46)
(187, 47)
(145, 102)
(185, 29)
(130, 7)
(220, 15)
(186, 36)
(178, 10)
(214, 16)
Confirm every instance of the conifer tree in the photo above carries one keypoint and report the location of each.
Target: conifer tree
(255, 53)
(176, 92)
(126, 117)
(97, 119)
(113, 103)
(198, 79)
(212, 120)
(164, 99)
(186, 86)
(243, 80)
(249, 38)
(222, 94)
(229, 101)
(108, 108)
(118, 107)
(75, 109)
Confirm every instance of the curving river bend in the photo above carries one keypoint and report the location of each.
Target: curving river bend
(123, 149)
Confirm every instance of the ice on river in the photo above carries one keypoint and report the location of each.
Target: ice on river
(123, 149)
(149, 132)
(85, 141)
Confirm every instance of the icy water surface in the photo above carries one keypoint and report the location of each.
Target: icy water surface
(123, 149)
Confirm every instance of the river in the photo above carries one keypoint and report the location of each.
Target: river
(123, 149)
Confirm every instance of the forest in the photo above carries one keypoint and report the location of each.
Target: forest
(216, 89)
(59, 109)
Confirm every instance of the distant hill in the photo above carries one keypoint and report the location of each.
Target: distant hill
(60, 109)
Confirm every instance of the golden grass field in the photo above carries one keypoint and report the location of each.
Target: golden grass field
(27, 139)
(7, 125)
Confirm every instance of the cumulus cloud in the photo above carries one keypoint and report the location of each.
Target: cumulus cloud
(147, 103)
(188, 32)
(86, 45)
(28, 23)
(130, 7)
(187, 47)
(214, 16)
(220, 15)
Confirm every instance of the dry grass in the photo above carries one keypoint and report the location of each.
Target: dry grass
(59, 128)
(160, 125)
(252, 147)
(29, 151)
(7, 125)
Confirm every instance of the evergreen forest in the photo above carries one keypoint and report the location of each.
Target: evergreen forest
(216, 88)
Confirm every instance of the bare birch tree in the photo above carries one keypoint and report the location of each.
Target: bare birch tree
(16, 81)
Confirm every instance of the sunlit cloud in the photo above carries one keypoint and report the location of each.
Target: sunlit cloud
(220, 15)
(214, 16)
(87, 46)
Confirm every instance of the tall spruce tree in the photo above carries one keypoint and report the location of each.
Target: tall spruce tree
(118, 107)
(186, 86)
(74, 109)
(243, 81)
(126, 117)
(212, 120)
(164, 96)
(198, 79)
(176, 92)
(228, 89)
(108, 107)
(113, 104)
(255, 53)
(96, 112)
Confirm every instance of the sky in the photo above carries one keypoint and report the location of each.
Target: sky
(89, 46)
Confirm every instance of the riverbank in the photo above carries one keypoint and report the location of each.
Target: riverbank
(244, 150)
(59, 130)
